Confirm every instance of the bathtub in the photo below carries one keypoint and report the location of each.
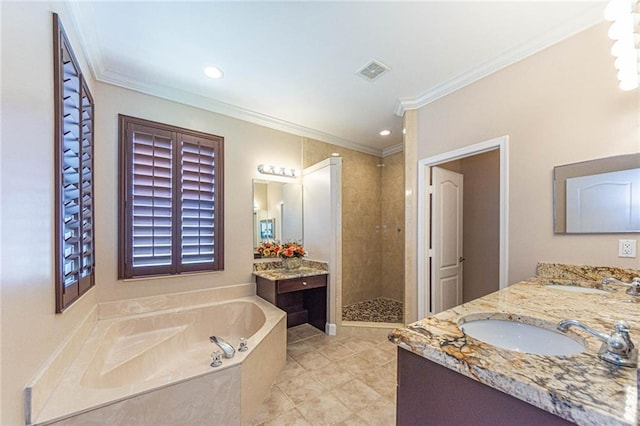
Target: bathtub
(154, 368)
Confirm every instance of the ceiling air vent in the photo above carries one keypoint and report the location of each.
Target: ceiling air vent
(373, 70)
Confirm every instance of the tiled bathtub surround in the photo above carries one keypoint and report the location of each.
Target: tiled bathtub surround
(580, 388)
(150, 367)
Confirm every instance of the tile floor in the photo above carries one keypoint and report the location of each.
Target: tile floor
(330, 380)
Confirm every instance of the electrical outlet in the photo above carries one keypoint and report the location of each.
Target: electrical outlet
(626, 248)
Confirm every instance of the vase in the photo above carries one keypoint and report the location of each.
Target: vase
(290, 263)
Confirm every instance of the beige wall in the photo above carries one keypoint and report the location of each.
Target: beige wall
(392, 236)
(481, 224)
(31, 330)
(561, 105)
(245, 146)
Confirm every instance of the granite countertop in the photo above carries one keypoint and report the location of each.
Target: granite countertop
(580, 388)
(273, 270)
(284, 274)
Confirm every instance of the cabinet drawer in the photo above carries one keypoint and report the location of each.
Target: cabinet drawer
(297, 284)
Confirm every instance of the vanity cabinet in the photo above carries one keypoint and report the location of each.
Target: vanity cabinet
(304, 299)
(430, 394)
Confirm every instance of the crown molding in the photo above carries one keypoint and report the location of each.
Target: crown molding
(394, 149)
(580, 23)
(92, 48)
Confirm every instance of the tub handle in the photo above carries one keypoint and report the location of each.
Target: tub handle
(217, 359)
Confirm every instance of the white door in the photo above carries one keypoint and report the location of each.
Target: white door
(446, 242)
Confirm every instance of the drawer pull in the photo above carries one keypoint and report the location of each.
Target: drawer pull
(304, 283)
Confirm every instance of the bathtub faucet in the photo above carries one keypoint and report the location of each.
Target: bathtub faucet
(228, 350)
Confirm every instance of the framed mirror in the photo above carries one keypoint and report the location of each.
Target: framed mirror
(598, 196)
(277, 211)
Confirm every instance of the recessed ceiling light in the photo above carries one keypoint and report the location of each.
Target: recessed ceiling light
(213, 72)
(335, 154)
(385, 132)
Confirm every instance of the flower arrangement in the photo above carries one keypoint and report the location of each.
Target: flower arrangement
(285, 251)
(268, 249)
(289, 250)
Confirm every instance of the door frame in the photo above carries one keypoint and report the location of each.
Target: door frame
(424, 215)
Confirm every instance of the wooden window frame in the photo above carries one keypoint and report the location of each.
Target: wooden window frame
(126, 268)
(71, 249)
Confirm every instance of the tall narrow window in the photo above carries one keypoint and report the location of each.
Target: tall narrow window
(75, 256)
(171, 200)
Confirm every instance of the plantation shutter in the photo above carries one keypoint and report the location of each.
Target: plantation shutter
(151, 189)
(171, 179)
(75, 258)
(198, 200)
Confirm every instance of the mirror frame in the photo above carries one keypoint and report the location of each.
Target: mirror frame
(585, 168)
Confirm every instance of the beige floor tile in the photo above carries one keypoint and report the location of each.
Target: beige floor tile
(322, 340)
(352, 420)
(306, 330)
(291, 370)
(312, 360)
(360, 345)
(324, 409)
(355, 394)
(382, 383)
(299, 347)
(275, 404)
(336, 352)
(292, 337)
(380, 356)
(290, 418)
(357, 364)
(332, 375)
(301, 388)
(380, 413)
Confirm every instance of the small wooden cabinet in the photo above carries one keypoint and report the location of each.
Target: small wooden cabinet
(304, 299)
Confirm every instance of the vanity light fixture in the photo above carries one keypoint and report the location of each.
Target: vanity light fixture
(385, 132)
(278, 171)
(213, 72)
(624, 29)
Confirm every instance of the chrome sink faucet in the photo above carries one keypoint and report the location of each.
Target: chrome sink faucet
(634, 286)
(617, 348)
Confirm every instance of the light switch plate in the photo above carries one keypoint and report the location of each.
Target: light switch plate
(626, 248)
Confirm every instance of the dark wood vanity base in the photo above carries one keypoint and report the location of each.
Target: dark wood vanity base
(430, 394)
(304, 299)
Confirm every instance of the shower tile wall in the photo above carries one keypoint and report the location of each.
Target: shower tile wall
(392, 284)
(364, 239)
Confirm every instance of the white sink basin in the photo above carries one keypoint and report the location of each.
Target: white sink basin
(576, 289)
(520, 337)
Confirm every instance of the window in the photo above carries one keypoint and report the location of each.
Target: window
(74, 251)
(171, 200)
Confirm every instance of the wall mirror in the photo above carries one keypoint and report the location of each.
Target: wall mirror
(277, 211)
(598, 196)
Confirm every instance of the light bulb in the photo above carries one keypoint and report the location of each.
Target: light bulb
(621, 27)
(627, 85)
(623, 45)
(616, 9)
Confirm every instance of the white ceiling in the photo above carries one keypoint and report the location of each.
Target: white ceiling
(292, 65)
